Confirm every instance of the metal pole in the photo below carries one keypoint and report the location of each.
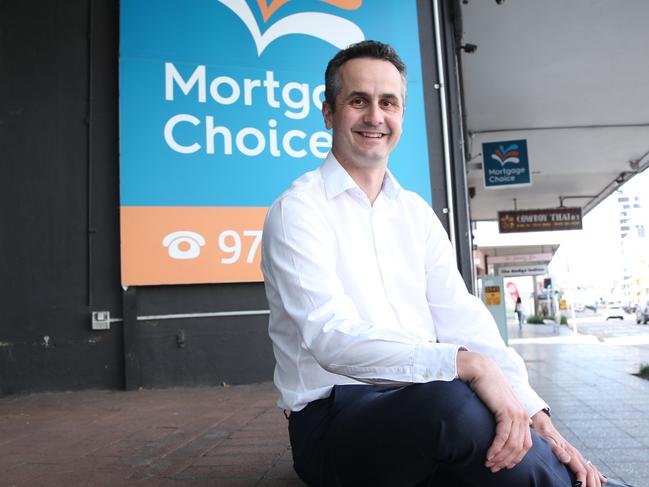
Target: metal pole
(445, 125)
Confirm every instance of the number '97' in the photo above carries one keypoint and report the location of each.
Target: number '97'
(230, 243)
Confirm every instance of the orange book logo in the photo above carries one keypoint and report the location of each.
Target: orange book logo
(333, 29)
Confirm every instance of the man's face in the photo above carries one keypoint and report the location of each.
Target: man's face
(368, 115)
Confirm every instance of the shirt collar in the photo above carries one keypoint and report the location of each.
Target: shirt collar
(337, 180)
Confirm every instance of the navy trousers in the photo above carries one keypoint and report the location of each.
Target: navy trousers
(434, 435)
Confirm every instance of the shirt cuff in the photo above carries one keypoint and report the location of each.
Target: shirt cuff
(435, 361)
(530, 399)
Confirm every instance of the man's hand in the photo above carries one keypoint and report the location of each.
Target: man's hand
(513, 438)
(584, 470)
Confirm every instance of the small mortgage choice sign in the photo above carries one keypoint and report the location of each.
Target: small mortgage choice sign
(220, 109)
(506, 164)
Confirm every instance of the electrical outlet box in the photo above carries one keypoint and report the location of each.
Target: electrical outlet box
(101, 320)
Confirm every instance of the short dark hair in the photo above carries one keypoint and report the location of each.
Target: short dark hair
(363, 49)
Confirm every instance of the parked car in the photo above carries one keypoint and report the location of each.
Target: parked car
(614, 311)
(642, 313)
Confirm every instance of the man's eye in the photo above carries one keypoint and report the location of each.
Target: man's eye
(358, 102)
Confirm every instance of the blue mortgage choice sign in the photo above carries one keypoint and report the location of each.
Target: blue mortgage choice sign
(506, 164)
(220, 110)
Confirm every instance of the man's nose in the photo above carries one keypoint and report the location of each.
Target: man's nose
(373, 115)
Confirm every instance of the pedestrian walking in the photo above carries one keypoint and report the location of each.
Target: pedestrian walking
(520, 313)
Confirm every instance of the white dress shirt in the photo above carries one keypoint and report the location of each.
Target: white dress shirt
(363, 293)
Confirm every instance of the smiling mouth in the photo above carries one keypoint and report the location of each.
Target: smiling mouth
(372, 135)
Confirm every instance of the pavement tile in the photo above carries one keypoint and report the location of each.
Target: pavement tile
(622, 454)
(639, 431)
(206, 483)
(272, 442)
(586, 432)
(23, 474)
(283, 469)
(162, 468)
(579, 425)
(243, 459)
(72, 477)
(635, 473)
(226, 449)
(577, 414)
(295, 482)
(247, 471)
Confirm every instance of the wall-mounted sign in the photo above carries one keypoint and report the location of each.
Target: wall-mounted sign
(220, 109)
(492, 295)
(523, 270)
(539, 220)
(516, 258)
(506, 164)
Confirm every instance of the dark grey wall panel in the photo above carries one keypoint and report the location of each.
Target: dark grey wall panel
(165, 349)
(205, 351)
(202, 298)
(64, 364)
(45, 336)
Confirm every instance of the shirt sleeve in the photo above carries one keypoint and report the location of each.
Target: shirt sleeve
(463, 319)
(299, 266)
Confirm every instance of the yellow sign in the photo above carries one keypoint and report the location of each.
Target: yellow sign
(493, 295)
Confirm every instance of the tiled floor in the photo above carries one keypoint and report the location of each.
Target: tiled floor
(234, 436)
(596, 401)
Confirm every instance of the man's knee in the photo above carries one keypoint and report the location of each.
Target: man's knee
(451, 412)
(452, 401)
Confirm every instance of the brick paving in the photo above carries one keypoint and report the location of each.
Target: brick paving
(225, 436)
(236, 437)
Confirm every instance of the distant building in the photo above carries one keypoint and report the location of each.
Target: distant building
(633, 212)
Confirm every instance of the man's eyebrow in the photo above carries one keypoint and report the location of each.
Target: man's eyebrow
(358, 93)
(365, 94)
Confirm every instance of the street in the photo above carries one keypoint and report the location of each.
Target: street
(591, 323)
(612, 328)
(591, 327)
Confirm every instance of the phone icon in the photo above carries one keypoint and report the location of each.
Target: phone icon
(184, 244)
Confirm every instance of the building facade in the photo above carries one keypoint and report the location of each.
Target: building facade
(59, 134)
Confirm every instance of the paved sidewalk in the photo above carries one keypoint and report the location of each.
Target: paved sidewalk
(597, 404)
(234, 436)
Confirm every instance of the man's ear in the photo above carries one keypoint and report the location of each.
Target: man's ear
(327, 114)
